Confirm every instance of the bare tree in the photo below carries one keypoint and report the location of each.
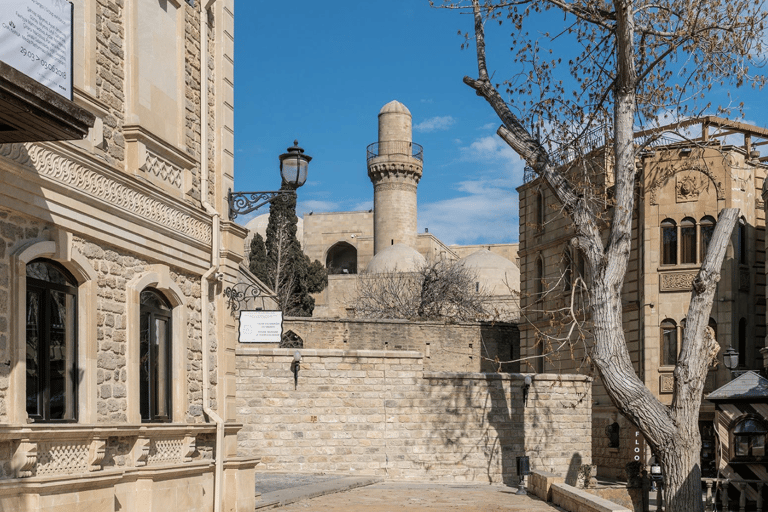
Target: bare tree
(439, 289)
(614, 66)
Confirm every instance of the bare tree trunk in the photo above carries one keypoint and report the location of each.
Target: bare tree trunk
(671, 432)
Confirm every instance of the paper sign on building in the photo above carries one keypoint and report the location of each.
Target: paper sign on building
(36, 39)
(261, 326)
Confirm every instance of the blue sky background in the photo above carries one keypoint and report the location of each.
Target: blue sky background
(320, 73)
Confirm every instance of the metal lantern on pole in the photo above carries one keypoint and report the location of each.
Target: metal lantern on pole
(293, 170)
(293, 166)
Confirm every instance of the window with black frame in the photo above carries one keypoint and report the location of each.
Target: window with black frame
(51, 345)
(155, 357)
(749, 438)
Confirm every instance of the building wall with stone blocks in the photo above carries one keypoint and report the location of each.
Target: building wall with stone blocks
(137, 205)
(381, 413)
(681, 187)
(447, 347)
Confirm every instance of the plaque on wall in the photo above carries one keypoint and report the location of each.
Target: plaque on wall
(261, 326)
(36, 39)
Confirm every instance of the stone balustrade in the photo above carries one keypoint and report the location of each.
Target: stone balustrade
(65, 450)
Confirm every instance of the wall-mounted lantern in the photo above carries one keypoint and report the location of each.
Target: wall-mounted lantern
(731, 359)
(526, 387)
(295, 367)
(293, 171)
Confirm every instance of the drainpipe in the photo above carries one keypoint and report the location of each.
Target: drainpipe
(215, 242)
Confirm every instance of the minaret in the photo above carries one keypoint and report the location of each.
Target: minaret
(394, 166)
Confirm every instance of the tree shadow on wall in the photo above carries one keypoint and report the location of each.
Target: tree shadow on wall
(478, 422)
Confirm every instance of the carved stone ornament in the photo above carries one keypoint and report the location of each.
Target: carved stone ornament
(666, 383)
(676, 281)
(697, 178)
(96, 453)
(68, 172)
(688, 187)
(161, 169)
(62, 458)
(24, 459)
(141, 451)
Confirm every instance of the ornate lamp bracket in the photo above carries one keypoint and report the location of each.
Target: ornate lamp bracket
(243, 203)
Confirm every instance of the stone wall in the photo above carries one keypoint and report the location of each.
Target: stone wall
(447, 347)
(381, 413)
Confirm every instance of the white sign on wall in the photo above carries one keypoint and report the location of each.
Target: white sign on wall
(261, 326)
(36, 39)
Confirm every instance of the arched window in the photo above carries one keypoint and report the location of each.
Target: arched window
(688, 241)
(52, 373)
(155, 357)
(668, 242)
(538, 285)
(567, 270)
(742, 241)
(743, 342)
(749, 438)
(540, 217)
(707, 229)
(668, 342)
(341, 259)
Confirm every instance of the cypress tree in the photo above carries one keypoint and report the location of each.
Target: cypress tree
(283, 264)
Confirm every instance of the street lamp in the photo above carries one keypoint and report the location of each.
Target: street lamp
(731, 359)
(293, 170)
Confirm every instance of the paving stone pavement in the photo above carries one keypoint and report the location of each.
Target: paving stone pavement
(423, 497)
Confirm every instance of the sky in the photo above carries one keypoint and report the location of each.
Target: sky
(320, 72)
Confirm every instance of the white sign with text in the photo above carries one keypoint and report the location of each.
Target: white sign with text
(36, 39)
(261, 326)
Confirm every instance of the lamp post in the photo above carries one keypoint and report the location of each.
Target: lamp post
(731, 359)
(293, 170)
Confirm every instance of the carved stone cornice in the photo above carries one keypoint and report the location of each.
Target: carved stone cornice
(71, 173)
(402, 168)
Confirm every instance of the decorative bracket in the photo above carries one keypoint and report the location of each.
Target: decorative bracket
(96, 453)
(239, 295)
(242, 203)
(24, 459)
(188, 448)
(141, 451)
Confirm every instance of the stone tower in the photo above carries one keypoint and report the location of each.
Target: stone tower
(394, 166)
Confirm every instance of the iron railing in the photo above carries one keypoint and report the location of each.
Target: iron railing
(590, 141)
(395, 147)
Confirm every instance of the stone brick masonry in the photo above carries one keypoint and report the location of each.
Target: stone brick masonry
(380, 413)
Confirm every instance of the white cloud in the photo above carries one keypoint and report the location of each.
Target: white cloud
(486, 212)
(490, 126)
(437, 123)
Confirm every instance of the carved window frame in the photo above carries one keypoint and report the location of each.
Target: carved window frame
(157, 277)
(61, 251)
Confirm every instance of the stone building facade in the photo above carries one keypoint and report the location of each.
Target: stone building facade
(117, 348)
(682, 187)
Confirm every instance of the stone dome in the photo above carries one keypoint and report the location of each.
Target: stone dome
(396, 258)
(394, 107)
(496, 274)
(259, 225)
